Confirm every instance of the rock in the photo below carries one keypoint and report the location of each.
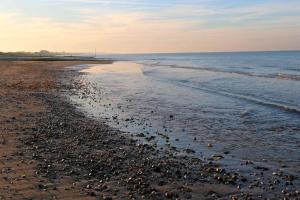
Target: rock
(217, 157)
(247, 162)
(243, 179)
(150, 138)
(261, 168)
(41, 186)
(169, 195)
(140, 135)
(190, 151)
(93, 194)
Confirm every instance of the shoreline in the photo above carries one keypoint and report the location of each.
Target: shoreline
(54, 58)
(259, 175)
(84, 158)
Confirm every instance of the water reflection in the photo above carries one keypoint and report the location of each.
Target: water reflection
(205, 105)
(116, 67)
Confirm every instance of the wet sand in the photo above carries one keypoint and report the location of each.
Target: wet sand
(50, 150)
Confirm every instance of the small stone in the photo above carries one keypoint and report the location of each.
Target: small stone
(93, 194)
(217, 157)
(243, 179)
(168, 195)
(190, 151)
(247, 162)
(140, 135)
(41, 186)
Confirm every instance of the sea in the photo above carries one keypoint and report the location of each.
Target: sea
(244, 106)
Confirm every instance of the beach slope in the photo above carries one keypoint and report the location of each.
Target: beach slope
(50, 150)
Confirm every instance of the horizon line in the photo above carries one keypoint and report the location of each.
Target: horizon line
(183, 52)
(189, 52)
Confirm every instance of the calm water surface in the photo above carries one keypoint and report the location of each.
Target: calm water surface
(247, 105)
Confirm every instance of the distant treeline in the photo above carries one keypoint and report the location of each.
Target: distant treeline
(42, 53)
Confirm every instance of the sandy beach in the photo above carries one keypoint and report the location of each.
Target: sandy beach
(50, 150)
(19, 111)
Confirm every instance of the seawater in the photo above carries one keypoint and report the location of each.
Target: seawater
(246, 104)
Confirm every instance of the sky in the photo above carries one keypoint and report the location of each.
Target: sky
(147, 26)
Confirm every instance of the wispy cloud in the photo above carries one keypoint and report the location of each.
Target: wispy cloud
(150, 26)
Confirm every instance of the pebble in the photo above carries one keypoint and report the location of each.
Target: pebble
(104, 157)
(190, 151)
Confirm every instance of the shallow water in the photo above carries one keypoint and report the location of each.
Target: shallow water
(246, 105)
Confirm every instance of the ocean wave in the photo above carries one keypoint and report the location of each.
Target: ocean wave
(264, 102)
(281, 76)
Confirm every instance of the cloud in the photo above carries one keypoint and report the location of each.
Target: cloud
(180, 28)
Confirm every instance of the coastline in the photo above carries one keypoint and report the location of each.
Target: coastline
(19, 109)
(78, 157)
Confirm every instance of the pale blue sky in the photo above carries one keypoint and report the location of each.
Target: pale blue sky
(267, 20)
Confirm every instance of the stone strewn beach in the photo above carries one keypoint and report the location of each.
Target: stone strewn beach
(50, 150)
